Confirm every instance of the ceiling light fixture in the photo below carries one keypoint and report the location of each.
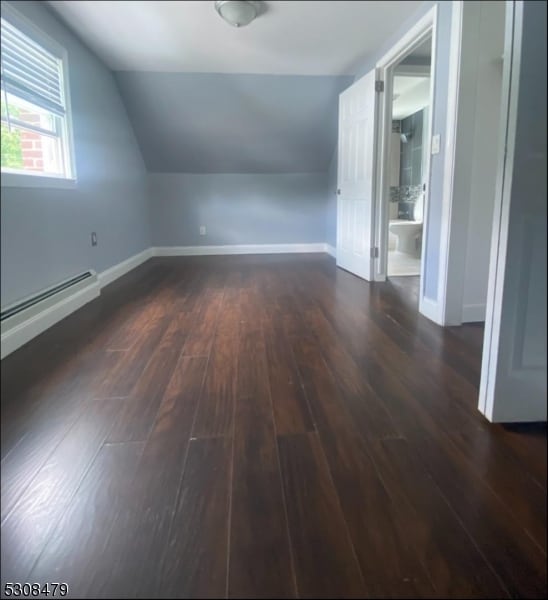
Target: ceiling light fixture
(236, 13)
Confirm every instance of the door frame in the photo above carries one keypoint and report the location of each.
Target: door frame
(499, 235)
(415, 36)
(489, 391)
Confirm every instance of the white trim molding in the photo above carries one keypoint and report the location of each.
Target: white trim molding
(34, 325)
(25, 180)
(501, 213)
(331, 250)
(116, 271)
(239, 249)
(445, 265)
(473, 313)
(430, 309)
(37, 322)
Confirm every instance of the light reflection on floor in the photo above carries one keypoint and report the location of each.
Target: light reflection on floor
(400, 263)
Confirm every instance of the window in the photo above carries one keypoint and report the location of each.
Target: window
(35, 138)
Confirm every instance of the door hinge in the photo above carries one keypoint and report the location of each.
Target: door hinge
(379, 86)
(375, 252)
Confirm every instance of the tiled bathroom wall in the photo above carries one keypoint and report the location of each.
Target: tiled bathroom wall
(410, 185)
(411, 152)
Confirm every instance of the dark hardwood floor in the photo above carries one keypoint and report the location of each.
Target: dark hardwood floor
(264, 427)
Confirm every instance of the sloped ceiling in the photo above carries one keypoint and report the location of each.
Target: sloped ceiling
(206, 97)
(233, 123)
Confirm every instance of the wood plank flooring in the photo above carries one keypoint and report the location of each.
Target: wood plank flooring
(264, 427)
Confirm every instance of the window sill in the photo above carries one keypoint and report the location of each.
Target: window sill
(36, 181)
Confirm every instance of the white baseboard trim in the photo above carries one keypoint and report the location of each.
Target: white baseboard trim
(24, 332)
(116, 271)
(430, 309)
(473, 313)
(238, 249)
(331, 250)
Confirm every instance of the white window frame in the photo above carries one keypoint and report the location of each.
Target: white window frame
(43, 180)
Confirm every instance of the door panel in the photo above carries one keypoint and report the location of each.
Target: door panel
(513, 382)
(357, 113)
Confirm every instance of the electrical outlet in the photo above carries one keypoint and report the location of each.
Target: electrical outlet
(202, 229)
(93, 238)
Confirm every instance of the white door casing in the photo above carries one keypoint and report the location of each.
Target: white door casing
(356, 177)
(419, 33)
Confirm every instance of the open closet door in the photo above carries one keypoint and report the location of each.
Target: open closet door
(356, 174)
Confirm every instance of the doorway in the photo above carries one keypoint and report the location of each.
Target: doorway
(404, 131)
(365, 124)
(408, 145)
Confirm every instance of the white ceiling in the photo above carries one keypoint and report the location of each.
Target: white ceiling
(410, 95)
(292, 38)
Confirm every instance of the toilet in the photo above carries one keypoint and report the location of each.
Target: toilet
(408, 233)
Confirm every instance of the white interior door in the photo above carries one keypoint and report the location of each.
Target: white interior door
(355, 205)
(513, 379)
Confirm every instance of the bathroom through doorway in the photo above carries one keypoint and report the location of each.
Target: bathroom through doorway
(408, 161)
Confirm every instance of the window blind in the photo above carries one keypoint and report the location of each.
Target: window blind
(30, 72)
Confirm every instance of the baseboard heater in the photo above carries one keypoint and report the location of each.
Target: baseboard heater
(26, 318)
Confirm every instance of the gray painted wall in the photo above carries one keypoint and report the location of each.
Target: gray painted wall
(274, 133)
(237, 208)
(476, 160)
(331, 208)
(233, 123)
(411, 152)
(46, 232)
